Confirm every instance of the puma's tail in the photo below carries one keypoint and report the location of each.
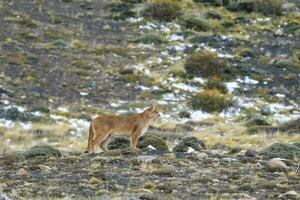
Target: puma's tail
(91, 135)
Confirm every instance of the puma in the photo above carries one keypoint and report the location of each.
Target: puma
(102, 127)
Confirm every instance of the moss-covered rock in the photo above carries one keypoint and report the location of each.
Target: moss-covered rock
(191, 142)
(281, 150)
(155, 141)
(42, 150)
(118, 143)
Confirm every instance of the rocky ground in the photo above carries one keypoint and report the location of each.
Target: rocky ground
(45, 172)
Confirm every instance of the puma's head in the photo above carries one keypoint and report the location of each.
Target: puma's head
(152, 111)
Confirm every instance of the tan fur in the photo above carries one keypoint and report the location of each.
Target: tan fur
(102, 127)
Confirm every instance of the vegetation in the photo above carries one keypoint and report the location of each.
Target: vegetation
(217, 84)
(198, 24)
(211, 101)
(205, 64)
(165, 10)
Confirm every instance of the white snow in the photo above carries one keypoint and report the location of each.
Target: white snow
(151, 147)
(231, 86)
(57, 117)
(185, 87)
(134, 19)
(175, 37)
(7, 123)
(84, 93)
(63, 109)
(247, 80)
(5, 102)
(190, 150)
(199, 79)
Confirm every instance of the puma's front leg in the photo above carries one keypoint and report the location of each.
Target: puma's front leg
(134, 138)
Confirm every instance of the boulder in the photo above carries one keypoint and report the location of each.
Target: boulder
(192, 142)
(281, 150)
(42, 150)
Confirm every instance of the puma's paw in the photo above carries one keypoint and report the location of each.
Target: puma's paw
(135, 149)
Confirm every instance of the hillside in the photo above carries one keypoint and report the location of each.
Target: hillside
(224, 71)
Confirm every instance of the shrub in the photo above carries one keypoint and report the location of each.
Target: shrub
(165, 10)
(42, 150)
(196, 24)
(150, 39)
(257, 121)
(191, 142)
(281, 150)
(121, 11)
(211, 101)
(217, 84)
(267, 7)
(205, 63)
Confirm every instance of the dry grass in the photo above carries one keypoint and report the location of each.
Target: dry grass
(233, 135)
(18, 139)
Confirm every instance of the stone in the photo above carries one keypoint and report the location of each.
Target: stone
(250, 153)
(22, 172)
(276, 163)
(279, 32)
(42, 150)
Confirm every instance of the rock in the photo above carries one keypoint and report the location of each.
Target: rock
(289, 6)
(14, 114)
(42, 150)
(22, 172)
(201, 155)
(281, 150)
(145, 159)
(155, 141)
(250, 153)
(119, 143)
(279, 32)
(289, 194)
(280, 90)
(276, 163)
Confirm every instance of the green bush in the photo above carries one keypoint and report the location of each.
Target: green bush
(204, 63)
(269, 7)
(150, 39)
(211, 101)
(42, 150)
(281, 150)
(196, 24)
(217, 84)
(164, 10)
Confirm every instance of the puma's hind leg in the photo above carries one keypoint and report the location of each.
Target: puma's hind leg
(100, 137)
(104, 143)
